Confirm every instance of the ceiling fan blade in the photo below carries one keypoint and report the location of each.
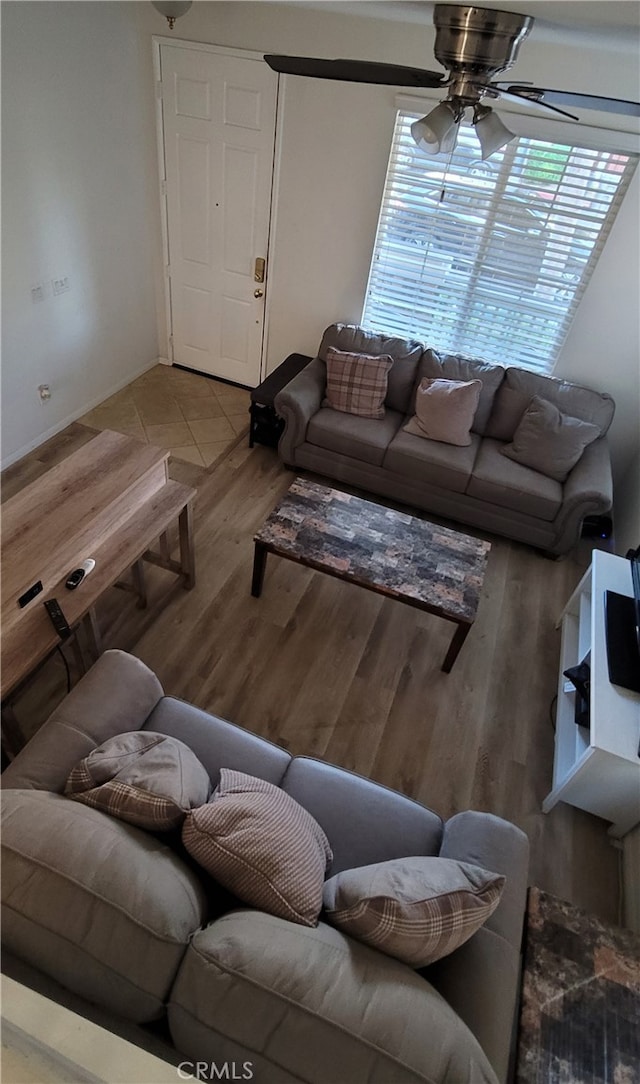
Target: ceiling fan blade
(528, 96)
(357, 71)
(552, 98)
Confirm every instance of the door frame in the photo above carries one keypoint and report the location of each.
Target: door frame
(241, 54)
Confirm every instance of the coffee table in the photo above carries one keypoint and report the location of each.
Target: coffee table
(392, 553)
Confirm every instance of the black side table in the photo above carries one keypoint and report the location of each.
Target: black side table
(265, 425)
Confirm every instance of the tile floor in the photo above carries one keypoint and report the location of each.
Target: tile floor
(196, 417)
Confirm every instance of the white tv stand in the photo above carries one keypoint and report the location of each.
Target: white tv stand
(596, 768)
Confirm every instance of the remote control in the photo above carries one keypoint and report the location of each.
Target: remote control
(76, 577)
(58, 620)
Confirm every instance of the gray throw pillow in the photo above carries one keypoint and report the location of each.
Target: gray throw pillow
(416, 909)
(144, 778)
(445, 410)
(549, 441)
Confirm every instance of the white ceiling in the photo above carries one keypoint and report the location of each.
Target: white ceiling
(615, 19)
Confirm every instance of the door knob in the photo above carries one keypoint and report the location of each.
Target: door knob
(258, 293)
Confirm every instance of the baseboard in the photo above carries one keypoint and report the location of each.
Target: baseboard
(59, 426)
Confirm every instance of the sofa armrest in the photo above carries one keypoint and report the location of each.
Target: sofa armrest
(493, 844)
(297, 403)
(590, 483)
(490, 960)
(588, 491)
(115, 696)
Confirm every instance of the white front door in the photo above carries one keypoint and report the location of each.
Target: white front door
(219, 114)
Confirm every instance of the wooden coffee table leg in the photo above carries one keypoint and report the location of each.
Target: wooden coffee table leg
(187, 549)
(259, 565)
(457, 641)
(13, 739)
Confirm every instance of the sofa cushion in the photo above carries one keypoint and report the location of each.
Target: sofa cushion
(508, 407)
(100, 906)
(445, 410)
(312, 1005)
(262, 845)
(549, 441)
(417, 909)
(406, 354)
(431, 461)
(365, 439)
(145, 778)
(357, 383)
(458, 367)
(572, 399)
(500, 481)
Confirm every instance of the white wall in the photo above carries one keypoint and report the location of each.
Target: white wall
(335, 144)
(603, 346)
(76, 203)
(627, 510)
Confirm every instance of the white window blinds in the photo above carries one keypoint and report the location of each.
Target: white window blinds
(490, 258)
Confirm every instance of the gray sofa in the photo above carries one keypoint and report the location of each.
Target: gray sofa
(474, 485)
(117, 917)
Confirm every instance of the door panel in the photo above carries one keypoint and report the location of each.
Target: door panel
(219, 115)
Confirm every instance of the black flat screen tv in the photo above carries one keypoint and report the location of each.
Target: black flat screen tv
(622, 630)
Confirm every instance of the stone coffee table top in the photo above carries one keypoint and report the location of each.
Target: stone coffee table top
(391, 552)
(580, 998)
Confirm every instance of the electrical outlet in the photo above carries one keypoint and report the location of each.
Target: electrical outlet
(60, 286)
(44, 391)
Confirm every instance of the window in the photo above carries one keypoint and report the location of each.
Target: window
(490, 258)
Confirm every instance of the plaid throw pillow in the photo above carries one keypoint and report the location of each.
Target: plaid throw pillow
(141, 777)
(357, 383)
(261, 845)
(416, 909)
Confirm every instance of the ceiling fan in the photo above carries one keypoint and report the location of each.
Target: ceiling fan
(474, 45)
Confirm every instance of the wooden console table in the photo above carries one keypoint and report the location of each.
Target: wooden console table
(110, 500)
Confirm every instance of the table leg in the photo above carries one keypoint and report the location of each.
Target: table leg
(251, 424)
(259, 565)
(92, 630)
(137, 571)
(13, 739)
(457, 641)
(187, 551)
(165, 548)
(78, 652)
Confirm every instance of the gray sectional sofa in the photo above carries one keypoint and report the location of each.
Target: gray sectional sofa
(118, 918)
(474, 485)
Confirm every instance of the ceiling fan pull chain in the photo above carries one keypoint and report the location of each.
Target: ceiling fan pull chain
(447, 167)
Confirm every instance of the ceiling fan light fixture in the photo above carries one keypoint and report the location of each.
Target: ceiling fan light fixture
(492, 133)
(172, 9)
(437, 131)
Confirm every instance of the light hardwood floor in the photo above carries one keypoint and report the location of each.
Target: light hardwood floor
(325, 668)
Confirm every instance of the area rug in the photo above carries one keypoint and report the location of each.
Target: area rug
(580, 998)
